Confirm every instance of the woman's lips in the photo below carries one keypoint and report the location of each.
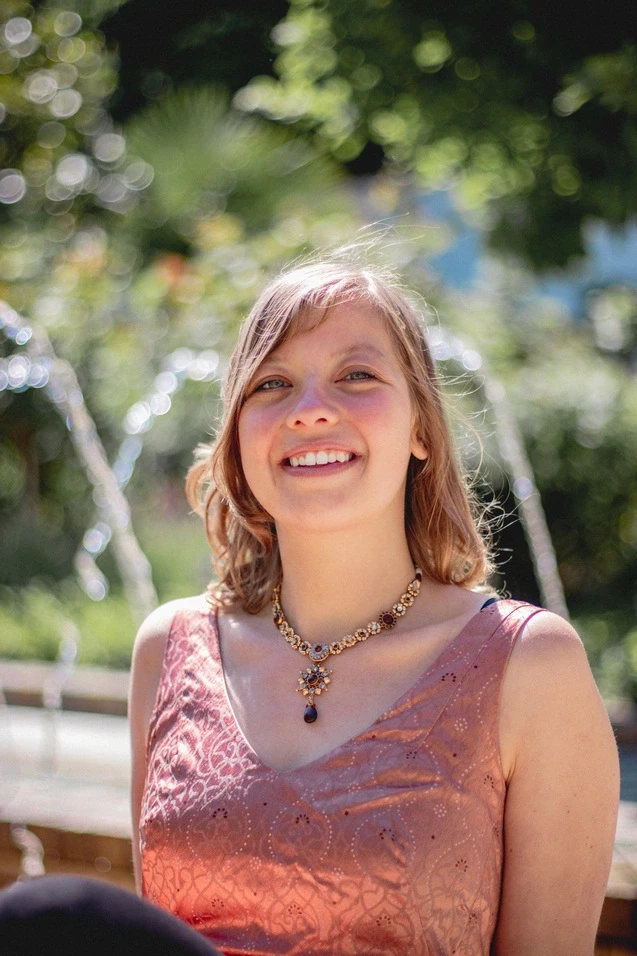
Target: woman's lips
(324, 456)
(308, 471)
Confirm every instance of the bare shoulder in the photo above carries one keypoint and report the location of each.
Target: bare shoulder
(550, 648)
(150, 642)
(548, 690)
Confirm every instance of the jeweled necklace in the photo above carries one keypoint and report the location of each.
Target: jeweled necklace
(315, 679)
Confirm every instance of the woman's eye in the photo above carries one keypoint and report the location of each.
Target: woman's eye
(359, 376)
(269, 384)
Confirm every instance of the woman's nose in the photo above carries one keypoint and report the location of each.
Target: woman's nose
(312, 406)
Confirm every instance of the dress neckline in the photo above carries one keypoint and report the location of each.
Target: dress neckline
(490, 610)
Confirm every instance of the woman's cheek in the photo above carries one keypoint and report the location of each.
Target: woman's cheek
(255, 451)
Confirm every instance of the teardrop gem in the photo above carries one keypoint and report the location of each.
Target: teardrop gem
(310, 714)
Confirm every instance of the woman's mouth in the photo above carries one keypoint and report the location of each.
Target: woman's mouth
(313, 459)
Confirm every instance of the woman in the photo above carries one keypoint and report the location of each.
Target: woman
(447, 778)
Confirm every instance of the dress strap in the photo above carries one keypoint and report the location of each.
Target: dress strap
(493, 600)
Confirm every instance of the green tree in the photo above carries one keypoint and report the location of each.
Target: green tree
(528, 110)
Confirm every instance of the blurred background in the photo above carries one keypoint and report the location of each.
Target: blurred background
(158, 164)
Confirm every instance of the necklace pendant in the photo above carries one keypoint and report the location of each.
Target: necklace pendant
(312, 682)
(310, 714)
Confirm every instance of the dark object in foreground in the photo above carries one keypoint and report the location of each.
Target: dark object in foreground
(80, 916)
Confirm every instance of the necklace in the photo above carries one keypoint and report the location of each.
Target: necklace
(314, 680)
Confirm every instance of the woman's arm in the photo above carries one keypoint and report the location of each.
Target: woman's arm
(148, 656)
(563, 790)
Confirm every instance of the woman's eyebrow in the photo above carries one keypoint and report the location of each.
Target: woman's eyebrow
(272, 362)
(361, 348)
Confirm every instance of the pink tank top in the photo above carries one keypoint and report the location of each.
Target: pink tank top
(389, 844)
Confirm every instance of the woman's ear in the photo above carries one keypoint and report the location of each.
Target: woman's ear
(417, 447)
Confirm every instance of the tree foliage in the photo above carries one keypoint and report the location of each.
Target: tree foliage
(528, 110)
(223, 44)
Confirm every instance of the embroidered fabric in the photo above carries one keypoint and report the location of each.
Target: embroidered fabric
(389, 844)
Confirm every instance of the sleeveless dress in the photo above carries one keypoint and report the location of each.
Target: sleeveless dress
(389, 844)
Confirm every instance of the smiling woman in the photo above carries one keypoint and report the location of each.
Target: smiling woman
(457, 792)
(297, 303)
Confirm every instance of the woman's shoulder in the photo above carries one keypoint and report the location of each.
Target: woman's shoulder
(151, 638)
(548, 684)
(541, 637)
(148, 657)
(547, 651)
(546, 641)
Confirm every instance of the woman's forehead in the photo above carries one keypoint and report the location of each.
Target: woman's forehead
(349, 325)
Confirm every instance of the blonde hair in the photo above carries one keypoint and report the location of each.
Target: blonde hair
(444, 533)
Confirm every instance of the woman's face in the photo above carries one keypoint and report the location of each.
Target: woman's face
(326, 431)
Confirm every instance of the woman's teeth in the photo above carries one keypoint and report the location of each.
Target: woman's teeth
(320, 458)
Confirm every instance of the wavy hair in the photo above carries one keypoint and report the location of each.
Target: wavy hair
(445, 535)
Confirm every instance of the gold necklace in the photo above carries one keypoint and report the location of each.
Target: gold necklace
(314, 680)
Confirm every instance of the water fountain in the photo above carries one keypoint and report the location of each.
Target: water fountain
(39, 367)
(176, 369)
(448, 348)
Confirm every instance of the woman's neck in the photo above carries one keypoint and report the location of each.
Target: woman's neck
(334, 583)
